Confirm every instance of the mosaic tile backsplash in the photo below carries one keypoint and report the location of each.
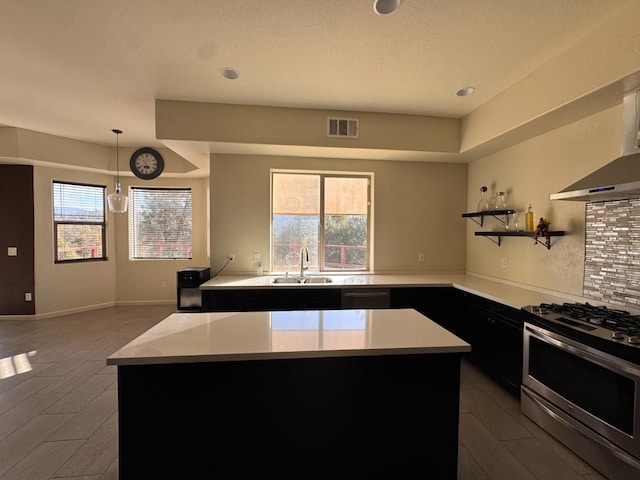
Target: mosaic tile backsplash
(612, 252)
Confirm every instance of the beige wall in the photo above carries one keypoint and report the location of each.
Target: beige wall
(67, 287)
(63, 288)
(529, 172)
(140, 281)
(417, 209)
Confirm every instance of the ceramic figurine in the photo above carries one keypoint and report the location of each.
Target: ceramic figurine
(542, 229)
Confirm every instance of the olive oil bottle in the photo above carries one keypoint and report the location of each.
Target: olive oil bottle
(529, 223)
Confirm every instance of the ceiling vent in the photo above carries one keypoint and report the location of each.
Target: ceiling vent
(343, 127)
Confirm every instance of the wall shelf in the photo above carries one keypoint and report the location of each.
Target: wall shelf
(501, 215)
(541, 239)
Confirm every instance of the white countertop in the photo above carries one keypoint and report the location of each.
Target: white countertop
(510, 295)
(211, 337)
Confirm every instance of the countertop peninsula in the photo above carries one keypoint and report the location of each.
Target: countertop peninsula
(515, 296)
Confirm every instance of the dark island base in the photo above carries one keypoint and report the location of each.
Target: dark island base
(392, 416)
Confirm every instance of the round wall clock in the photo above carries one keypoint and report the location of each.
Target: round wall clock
(146, 163)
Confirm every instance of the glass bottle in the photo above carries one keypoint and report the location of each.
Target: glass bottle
(529, 220)
(483, 204)
(511, 223)
(499, 202)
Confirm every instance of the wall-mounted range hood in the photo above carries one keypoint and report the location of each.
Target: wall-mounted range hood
(619, 179)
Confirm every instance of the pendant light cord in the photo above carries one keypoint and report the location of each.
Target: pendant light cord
(117, 132)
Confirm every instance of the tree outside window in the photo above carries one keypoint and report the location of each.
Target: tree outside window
(326, 212)
(160, 223)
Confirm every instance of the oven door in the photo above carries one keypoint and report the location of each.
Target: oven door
(590, 390)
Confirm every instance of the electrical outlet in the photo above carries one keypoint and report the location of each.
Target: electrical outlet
(421, 257)
(232, 257)
(504, 263)
(27, 297)
(164, 284)
(256, 257)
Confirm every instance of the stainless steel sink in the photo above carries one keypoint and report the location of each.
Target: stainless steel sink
(318, 280)
(287, 280)
(302, 280)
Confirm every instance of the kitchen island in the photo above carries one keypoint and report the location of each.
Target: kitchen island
(291, 394)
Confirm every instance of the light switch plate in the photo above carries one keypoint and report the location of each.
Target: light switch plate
(12, 251)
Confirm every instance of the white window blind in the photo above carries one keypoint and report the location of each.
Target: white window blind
(78, 222)
(160, 222)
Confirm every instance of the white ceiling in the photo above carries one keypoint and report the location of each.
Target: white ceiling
(79, 68)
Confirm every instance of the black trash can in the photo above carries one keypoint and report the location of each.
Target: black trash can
(188, 283)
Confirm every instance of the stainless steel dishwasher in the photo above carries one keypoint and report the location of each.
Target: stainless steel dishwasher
(365, 298)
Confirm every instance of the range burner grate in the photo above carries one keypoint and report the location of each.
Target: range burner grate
(609, 318)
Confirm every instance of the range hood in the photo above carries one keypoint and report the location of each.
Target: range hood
(619, 179)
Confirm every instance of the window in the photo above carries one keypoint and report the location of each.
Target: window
(160, 223)
(78, 222)
(326, 212)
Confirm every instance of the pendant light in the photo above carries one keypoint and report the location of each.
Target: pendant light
(117, 201)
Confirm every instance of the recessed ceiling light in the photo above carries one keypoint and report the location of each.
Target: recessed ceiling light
(230, 73)
(385, 7)
(463, 92)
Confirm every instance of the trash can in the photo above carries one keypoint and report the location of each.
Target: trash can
(188, 283)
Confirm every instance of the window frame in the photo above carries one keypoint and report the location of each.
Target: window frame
(323, 174)
(133, 231)
(56, 223)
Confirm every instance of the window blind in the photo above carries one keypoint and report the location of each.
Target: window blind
(160, 223)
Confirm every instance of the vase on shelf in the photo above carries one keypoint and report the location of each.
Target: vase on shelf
(483, 204)
(499, 201)
(511, 224)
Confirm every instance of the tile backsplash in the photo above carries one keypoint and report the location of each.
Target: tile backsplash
(612, 252)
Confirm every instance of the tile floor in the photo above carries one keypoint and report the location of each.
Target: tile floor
(59, 419)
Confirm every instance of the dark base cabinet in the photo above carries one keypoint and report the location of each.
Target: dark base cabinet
(387, 416)
(493, 330)
(495, 334)
(440, 304)
(249, 300)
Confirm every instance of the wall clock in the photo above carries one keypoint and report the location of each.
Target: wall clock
(146, 163)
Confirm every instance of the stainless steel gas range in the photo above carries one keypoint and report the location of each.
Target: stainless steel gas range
(581, 373)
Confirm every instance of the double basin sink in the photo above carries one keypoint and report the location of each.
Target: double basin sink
(302, 280)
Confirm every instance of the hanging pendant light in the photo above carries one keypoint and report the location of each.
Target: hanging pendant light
(117, 201)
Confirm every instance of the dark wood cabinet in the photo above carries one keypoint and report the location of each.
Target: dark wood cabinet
(248, 300)
(494, 330)
(495, 334)
(440, 304)
(305, 298)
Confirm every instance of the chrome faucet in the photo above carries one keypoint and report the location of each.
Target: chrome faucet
(304, 252)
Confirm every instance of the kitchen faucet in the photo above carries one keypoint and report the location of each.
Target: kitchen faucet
(304, 252)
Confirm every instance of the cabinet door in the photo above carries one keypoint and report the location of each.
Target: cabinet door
(303, 298)
(508, 347)
(495, 334)
(234, 300)
(440, 304)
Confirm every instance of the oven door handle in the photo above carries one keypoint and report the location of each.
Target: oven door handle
(584, 351)
(568, 423)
